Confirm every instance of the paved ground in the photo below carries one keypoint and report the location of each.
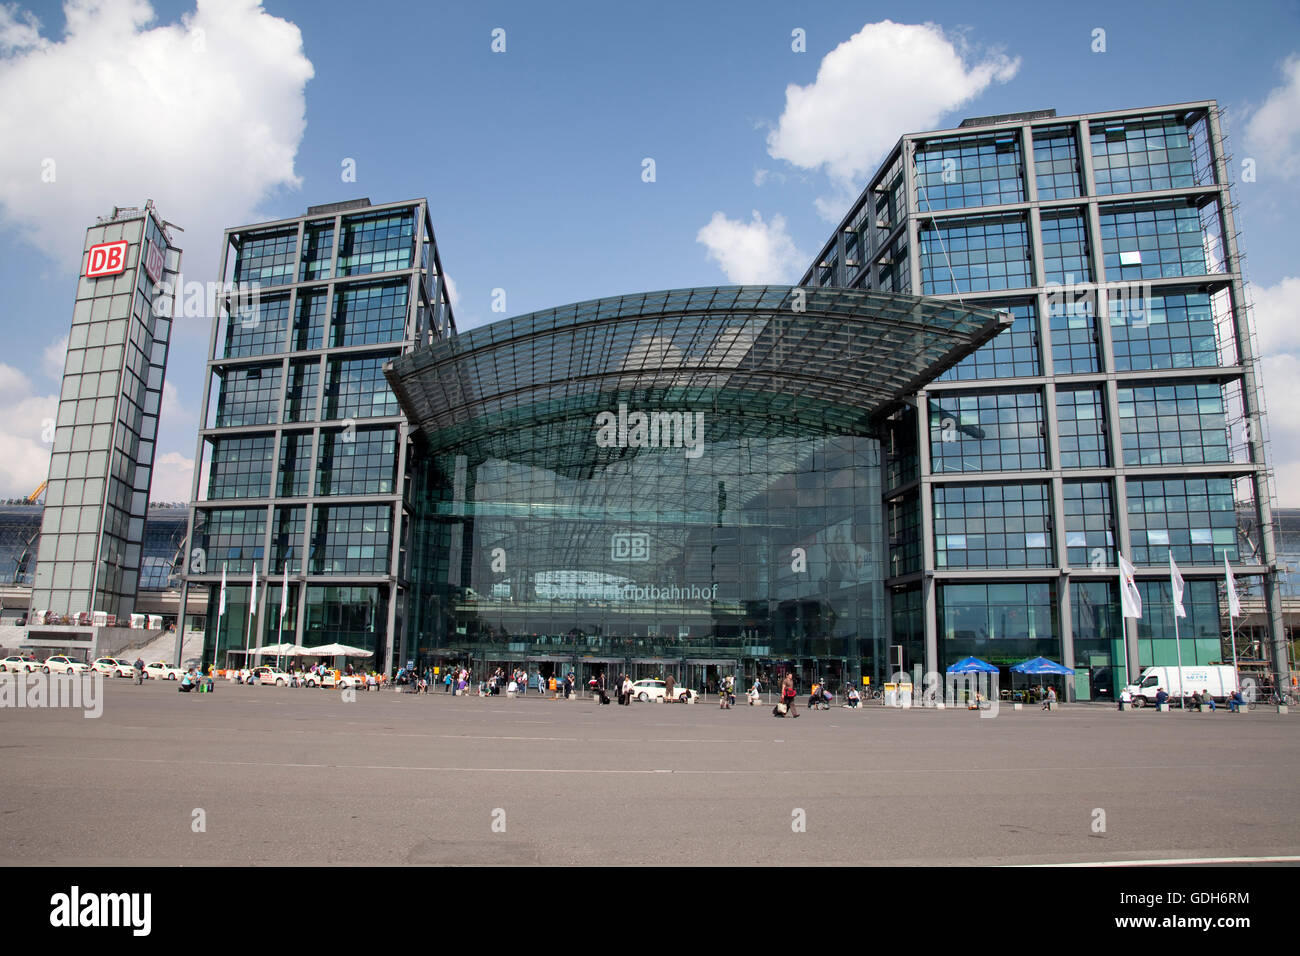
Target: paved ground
(299, 776)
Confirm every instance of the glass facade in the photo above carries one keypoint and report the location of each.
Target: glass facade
(1108, 237)
(89, 553)
(303, 368)
(684, 483)
(866, 483)
(759, 554)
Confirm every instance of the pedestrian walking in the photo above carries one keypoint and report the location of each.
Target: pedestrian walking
(788, 695)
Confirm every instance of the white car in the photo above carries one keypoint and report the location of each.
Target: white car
(266, 674)
(112, 667)
(159, 670)
(652, 689)
(19, 664)
(60, 664)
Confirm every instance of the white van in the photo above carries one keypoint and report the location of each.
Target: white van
(1219, 679)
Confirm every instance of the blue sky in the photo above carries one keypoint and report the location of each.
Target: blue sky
(532, 158)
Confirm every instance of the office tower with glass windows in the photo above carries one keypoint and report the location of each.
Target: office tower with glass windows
(1119, 414)
(101, 465)
(302, 450)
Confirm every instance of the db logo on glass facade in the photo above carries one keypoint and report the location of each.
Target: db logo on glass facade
(630, 547)
(106, 259)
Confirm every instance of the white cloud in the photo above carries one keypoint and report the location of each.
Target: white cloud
(173, 474)
(1276, 311)
(19, 30)
(887, 79)
(24, 455)
(453, 294)
(202, 116)
(1273, 131)
(1276, 315)
(54, 358)
(751, 252)
(1280, 377)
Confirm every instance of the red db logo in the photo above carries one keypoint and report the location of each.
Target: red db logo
(107, 259)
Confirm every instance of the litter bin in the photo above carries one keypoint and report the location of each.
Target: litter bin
(905, 695)
(891, 695)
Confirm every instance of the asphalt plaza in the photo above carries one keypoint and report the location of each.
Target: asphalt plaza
(289, 776)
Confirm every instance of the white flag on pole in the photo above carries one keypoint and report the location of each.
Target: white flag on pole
(1234, 602)
(1179, 585)
(1130, 598)
(221, 605)
(284, 596)
(252, 602)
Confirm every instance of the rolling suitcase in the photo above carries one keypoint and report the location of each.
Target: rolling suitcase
(779, 710)
(604, 697)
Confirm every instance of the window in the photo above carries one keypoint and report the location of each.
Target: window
(1002, 431)
(363, 462)
(1160, 240)
(357, 388)
(351, 539)
(1056, 162)
(1081, 423)
(241, 467)
(260, 333)
(1184, 424)
(1148, 152)
(369, 314)
(992, 526)
(1193, 517)
(300, 393)
(295, 463)
(377, 242)
(1065, 247)
(1164, 330)
(309, 323)
(1012, 353)
(974, 255)
(250, 395)
(1074, 333)
(318, 247)
(1089, 524)
(1020, 616)
(959, 171)
(904, 517)
(266, 258)
(286, 539)
(232, 538)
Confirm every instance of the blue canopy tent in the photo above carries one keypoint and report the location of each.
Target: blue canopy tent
(972, 665)
(968, 665)
(1038, 666)
(1041, 665)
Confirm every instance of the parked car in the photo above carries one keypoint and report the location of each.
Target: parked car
(654, 689)
(160, 670)
(61, 664)
(112, 667)
(20, 664)
(266, 674)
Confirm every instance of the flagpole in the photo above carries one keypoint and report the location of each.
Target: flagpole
(252, 609)
(1176, 593)
(1178, 644)
(1233, 610)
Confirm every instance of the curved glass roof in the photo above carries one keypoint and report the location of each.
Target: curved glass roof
(790, 359)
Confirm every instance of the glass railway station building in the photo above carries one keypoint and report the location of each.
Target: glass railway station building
(1024, 351)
